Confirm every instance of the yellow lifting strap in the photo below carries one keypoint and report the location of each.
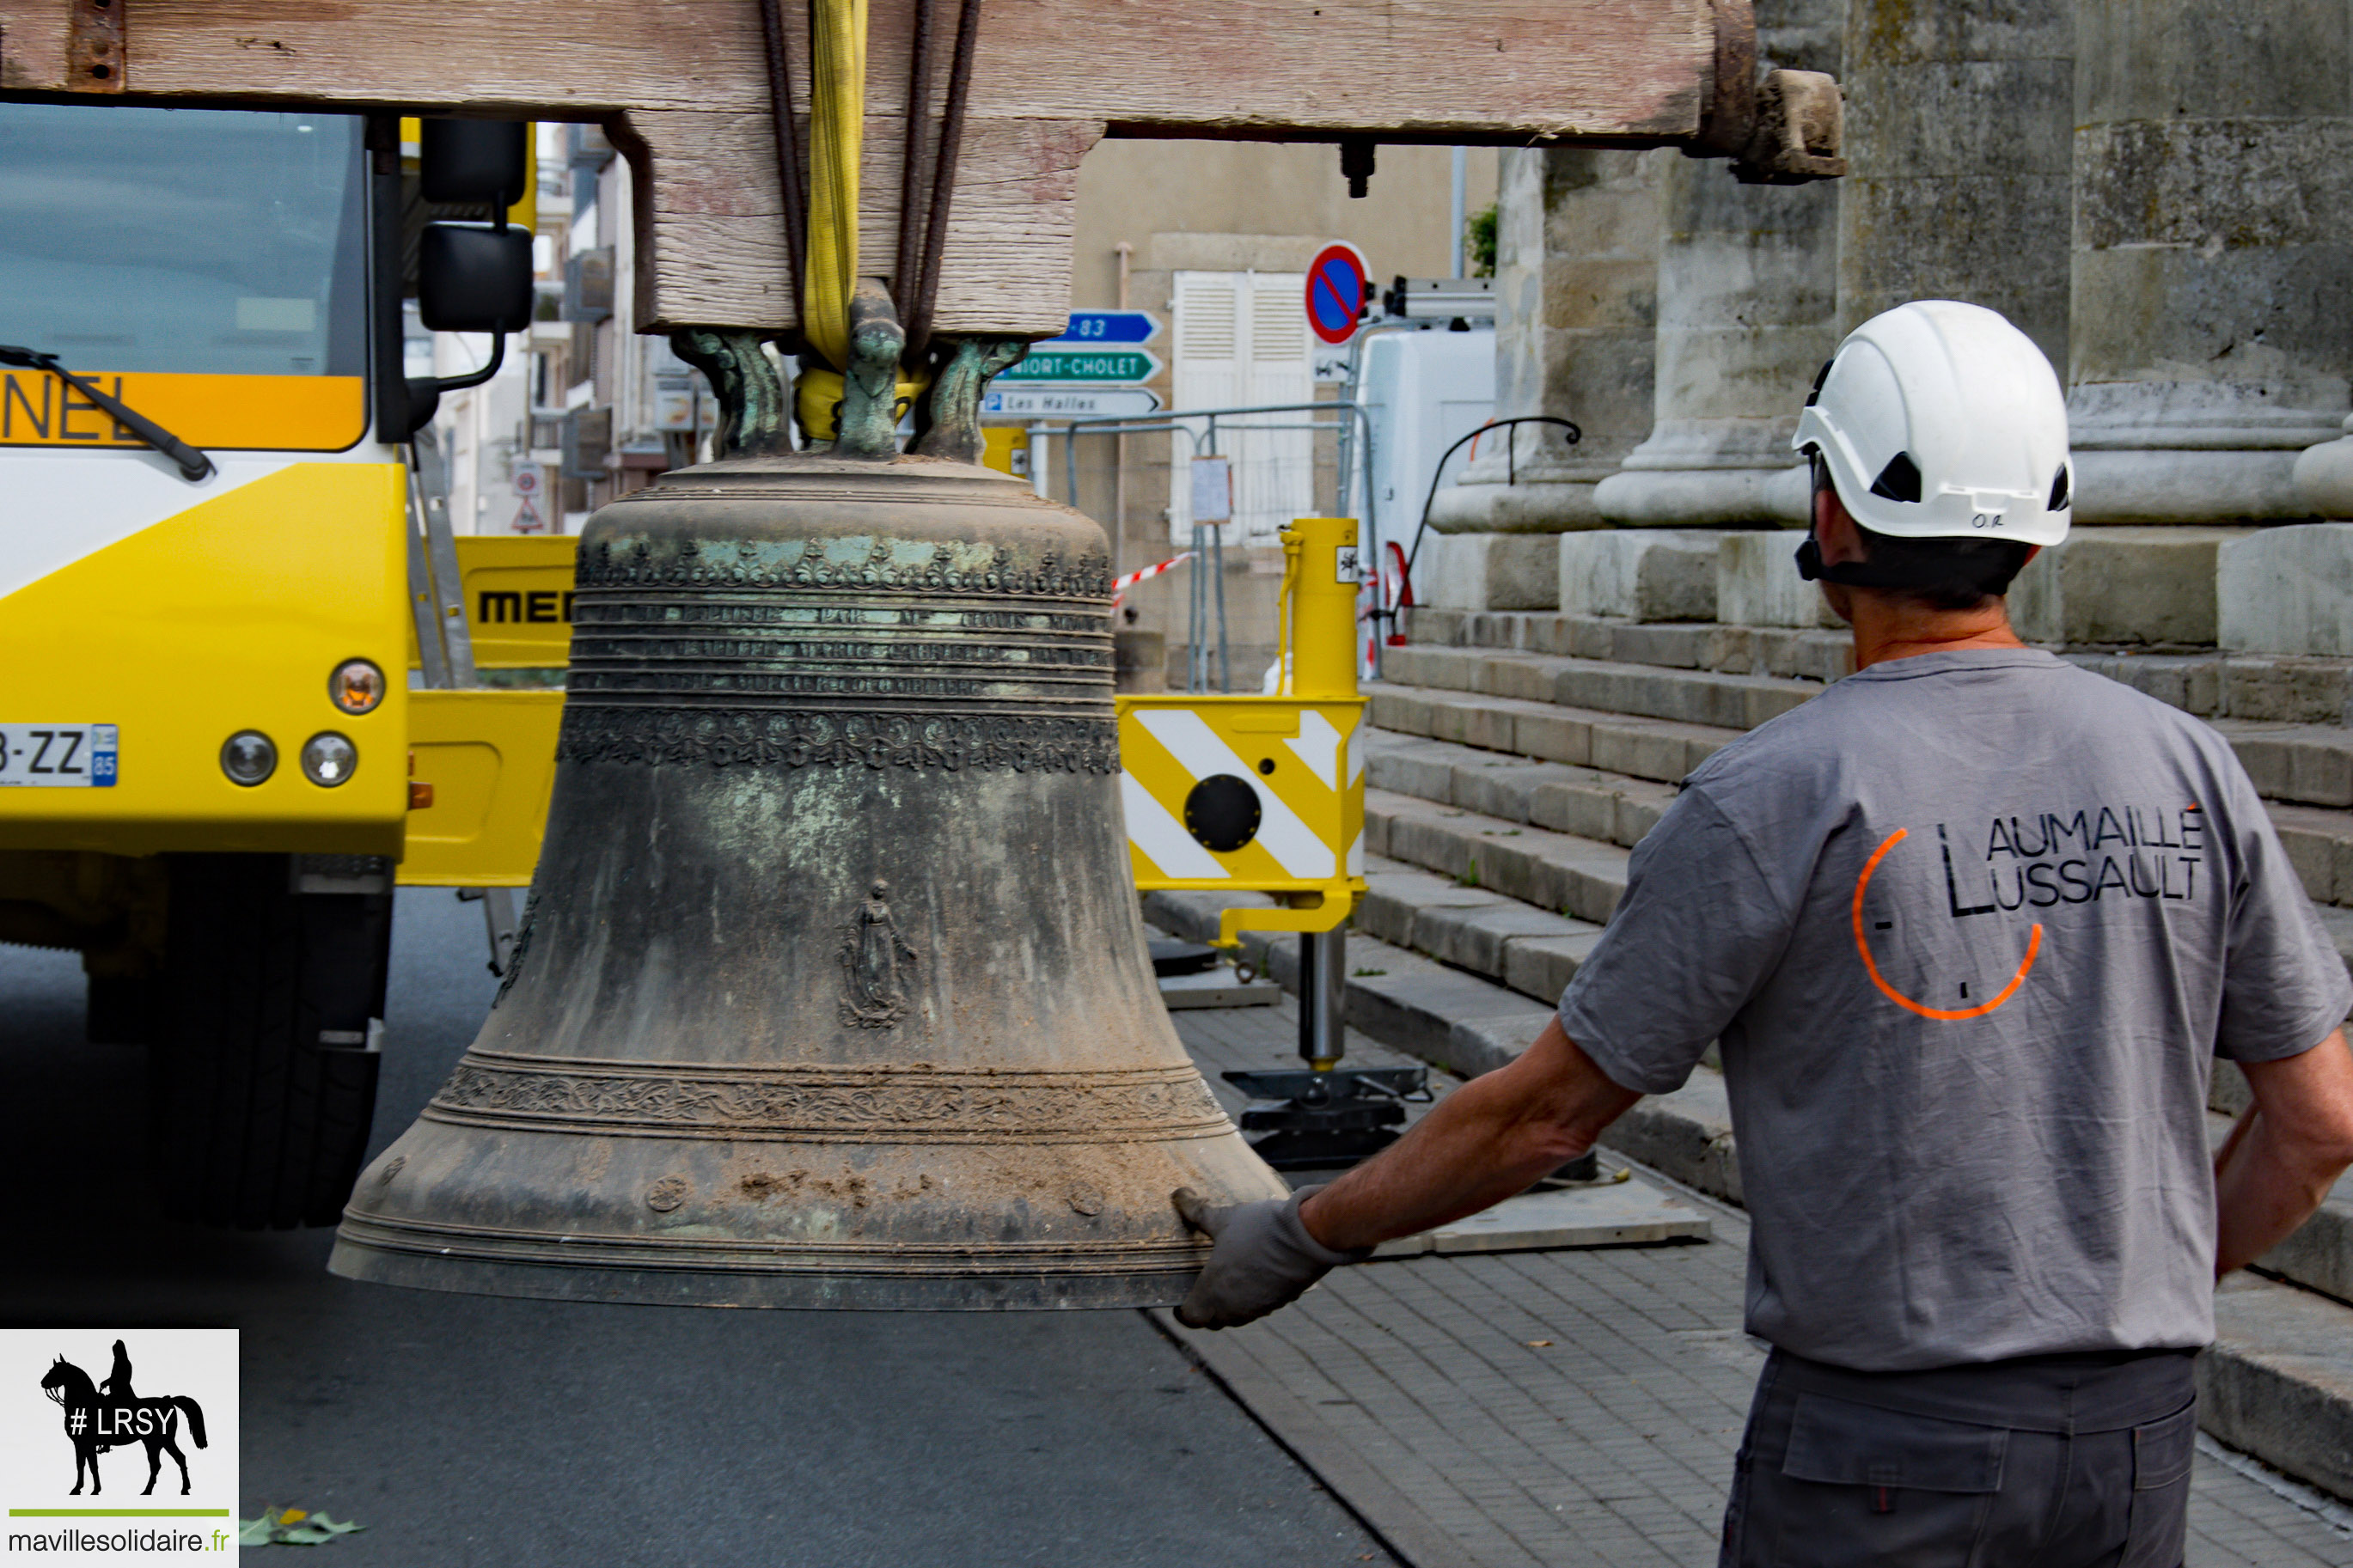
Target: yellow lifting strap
(836, 142)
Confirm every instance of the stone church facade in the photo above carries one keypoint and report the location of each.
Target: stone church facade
(2158, 192)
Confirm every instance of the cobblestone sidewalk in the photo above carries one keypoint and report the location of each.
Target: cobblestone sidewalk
(1544, 1410)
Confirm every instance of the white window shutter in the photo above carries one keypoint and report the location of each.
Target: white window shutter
(1240, 339)
(1206, 345)
(1281, 371)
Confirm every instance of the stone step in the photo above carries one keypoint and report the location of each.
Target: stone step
(1809, 654)
(1455, 1020)
(1530, 951)
(1648, 690)
(1590, 803)
(1661, 749)
(1624, 720)
(2278, 1381)
(1578, 875)
(2311, 764)
(1619, 809)
(1559, 873)
(2319, 841)
(2290, 759)
(2210, 683)
(2213, 685)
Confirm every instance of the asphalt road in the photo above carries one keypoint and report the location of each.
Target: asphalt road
(464, 1430)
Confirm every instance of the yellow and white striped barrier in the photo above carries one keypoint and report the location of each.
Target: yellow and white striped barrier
(1262, 793)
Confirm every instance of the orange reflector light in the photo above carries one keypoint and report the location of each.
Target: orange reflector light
(357, 686)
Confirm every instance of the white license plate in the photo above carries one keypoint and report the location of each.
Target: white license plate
(56, 757)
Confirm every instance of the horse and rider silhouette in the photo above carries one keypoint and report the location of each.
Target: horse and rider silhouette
(99, 1417)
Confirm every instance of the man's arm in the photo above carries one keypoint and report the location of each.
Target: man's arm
(2285, 1153)
(1495, 1136)
(1675, 979)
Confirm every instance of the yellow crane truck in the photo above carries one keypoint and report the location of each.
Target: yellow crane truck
(215, 559)
(223, 545)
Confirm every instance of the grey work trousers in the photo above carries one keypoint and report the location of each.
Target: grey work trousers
(2049, 1462)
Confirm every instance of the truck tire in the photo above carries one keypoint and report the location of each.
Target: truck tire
(263, 1067)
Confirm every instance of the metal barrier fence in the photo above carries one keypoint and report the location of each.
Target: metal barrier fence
(1268, 475)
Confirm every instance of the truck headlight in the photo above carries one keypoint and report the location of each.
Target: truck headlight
(328, 759)
(357, 686)
(248, 757)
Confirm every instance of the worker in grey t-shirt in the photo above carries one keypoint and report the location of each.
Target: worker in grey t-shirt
(1968, 929)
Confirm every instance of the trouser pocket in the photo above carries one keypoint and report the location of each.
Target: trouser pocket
(1858, 1485)
(1769, 1404)
(2163, 1452)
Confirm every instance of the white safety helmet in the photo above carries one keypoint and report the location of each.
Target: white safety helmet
(1940, 420)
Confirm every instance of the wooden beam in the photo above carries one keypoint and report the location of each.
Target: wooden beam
(1493, 70)
(717, 229)
(678, 85)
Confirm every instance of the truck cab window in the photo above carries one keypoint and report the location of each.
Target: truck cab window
(193, 241)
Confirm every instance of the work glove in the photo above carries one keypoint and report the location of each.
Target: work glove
(1263, 1260)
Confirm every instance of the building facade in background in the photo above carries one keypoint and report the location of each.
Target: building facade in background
(1211, 239)
(585, 407)
(2169, 231)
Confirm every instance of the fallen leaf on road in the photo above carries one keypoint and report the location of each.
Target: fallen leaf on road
(291, 1527)
(1537, 1345)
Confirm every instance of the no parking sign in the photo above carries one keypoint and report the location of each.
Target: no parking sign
(1335, 293)
(526, 482)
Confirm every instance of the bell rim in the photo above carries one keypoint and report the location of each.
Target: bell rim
(780, 1254)
(1001, 1283)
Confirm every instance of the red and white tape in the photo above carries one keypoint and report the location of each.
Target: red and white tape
(1119, 588)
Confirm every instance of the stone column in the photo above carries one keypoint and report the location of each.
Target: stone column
(1577, 273)
(1747, 304)
(2213, 167)
(1959, 117)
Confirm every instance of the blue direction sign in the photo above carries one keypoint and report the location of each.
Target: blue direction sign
(1089, 327)
(1080, 402)
(1061, 361)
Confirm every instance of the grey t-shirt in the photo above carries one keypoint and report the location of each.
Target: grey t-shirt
(1971, 927)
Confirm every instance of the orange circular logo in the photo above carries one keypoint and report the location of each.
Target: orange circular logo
(1942, 1015)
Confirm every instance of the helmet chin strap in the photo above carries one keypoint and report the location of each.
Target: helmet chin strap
(1864, 574)
(1857, 574)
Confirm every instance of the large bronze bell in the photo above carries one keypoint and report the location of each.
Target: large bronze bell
(831, 990)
